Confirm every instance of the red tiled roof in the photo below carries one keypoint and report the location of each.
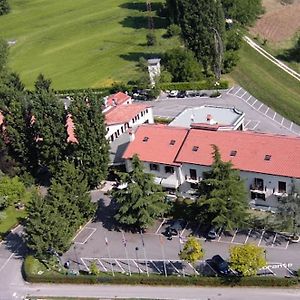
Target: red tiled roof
(70, 130)
(1, 118)
(117, 99)
(157, 147)
(124, 113)
(251, 150)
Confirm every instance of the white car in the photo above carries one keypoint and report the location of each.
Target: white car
(173, 93)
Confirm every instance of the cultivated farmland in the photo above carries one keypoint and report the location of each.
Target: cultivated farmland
(80, 43)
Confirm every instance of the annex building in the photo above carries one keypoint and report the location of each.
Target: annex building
(178, 156)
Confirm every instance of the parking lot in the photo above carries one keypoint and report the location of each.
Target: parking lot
(154, 251)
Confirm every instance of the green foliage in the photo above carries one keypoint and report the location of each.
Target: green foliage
(173, 30)
(199, 85)
(4, 7)
(53, 220)
(165, 77)
(3, 56)
(223, 200)
(192, 251)
(142, 201)
(182, 65)
(12, 190)
(91, 151)
(151, 39)
(231, 59)
(94, 270)
(243, 11)
(42, 84)
(247, 259)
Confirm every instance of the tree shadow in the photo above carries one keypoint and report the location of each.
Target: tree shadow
(141, 22)
(15, 243)
(135, 56)
(142, 7)
(290, 55)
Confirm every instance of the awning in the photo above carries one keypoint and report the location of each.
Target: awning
(170, 182)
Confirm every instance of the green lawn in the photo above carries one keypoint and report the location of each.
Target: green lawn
(268, 83)
(79, 43)
(10, 217)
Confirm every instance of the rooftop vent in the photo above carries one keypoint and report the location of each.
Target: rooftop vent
(267, 157)
(145, 139)
(195, 148)
(172, 142)
(233, 153)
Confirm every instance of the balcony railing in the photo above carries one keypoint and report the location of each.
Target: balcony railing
(192, 179)
(258, 188)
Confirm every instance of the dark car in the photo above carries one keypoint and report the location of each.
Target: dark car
(220, 265)
(181, 94)
(174, 228)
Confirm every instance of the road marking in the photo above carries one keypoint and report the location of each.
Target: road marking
(274, 115)
(248, 98)
(6, 262)
(237, 91)
(123, 271)
(254, 103)
(100, 262)
(85, 265)
(158, 270)
(234, 235)
(248, 235)
(274, 239)
(262, 234)
(287, 244)
(247, 123)
(267, 110)
(196, 272)
(243, 95)
(260, 106)
(184, 228)
(228, 92)
(256, 125)
(291, 125)
(93, 231)
(174, 267)
(140, 270)
(282, 120)
(159, 227)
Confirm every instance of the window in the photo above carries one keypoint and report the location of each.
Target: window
(281, 186)
(258, 196)
(142, 113)
(169, 170)
(118, 131)
(193, 174)
(258, 184)
(146, 111)
(154, 167)
(122, 129)
(133, 120)
(195, 148)
(145, 139)
(172, 142)
(233, 153)
(268, 157)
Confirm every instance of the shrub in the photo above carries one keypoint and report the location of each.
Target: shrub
(162, 120)
(198, 85)
(151, 39)
(215, 94)
(173, 30)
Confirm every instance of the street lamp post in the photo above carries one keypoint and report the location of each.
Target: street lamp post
(137, 257)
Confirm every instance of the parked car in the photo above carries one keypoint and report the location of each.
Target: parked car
(173, 94)
(212, 233)
(181, 94)
(174, 228)
(220, 265)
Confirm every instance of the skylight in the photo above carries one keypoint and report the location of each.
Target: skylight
(195, 148)
(172, 142)
(268, 157)
(233, 153)
(145, 139)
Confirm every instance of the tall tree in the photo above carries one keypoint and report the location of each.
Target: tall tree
(42, 84)
(202, 24)
(91, 150)
(4, 7)
(223, 200)
(142, 201)
(47, 120)
(3, 58)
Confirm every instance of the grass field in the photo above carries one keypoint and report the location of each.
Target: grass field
(268, 83)
(80, 43)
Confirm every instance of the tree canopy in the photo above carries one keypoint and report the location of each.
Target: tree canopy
(4, 7)
(247, 259)
(142, 201)
(192, 251)
(223, 200)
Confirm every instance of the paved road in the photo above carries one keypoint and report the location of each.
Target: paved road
(258, 116)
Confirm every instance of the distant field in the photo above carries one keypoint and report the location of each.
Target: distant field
(79, 43)
(268, 83)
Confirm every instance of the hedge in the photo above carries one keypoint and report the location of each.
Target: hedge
(199, 85)
(153, 279)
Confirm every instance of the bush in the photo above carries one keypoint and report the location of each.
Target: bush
(151, 39)
(162, 120)
(215, 94)
(198, 85)
(173, 30)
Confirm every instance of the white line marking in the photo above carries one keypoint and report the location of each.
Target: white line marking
(234, 235)
(228, 92)
(6, 262)
(274, 115)
(140, 270)
(282, 121)
(274, 239)
(287, 244)
(161, 224)
(291, 125)
(244, 95)
(262, 234)
(85, 265)
(270, 270)
(254, 102)
(248, 236)
(248, 98)
(184, 228)
(158, 270)
(123, 271)
(100, 262)
(260, 106)
(247, 123)
(267, 110)
(256, 125)
(174, 267)
(237, 91)
(193, 268)
(93, 231)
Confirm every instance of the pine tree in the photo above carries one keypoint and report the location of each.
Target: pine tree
(142, 201)
(91, 151)
(223, 200)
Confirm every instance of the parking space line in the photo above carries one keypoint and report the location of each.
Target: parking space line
(196, 272)
(174, 267)
(234, 235)
(228, 92)
(78, 233)
(291, 125)
(288, 269)
(85, 265)
(159, 227)
(100, 262)
(282, 120)
(256, 125)
(274, 239)
(211, 267)
(244, 95)
(247, 123)
(140, 270)
(248, 98)
(254, 103)
(274, 115)
(267, 267)
(248, 235)
(158, 270)
(93, 231)
(184, 228)
(262, 234)
(237, 91)
(287, 244)
(267, 110)
(123, 271)
(260, 106)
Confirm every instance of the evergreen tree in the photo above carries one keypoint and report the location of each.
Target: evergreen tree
(42, 84)
(47, 128)
(4, 7)
(3, 58)
(142, 201)
(91, 151)
(223, 200)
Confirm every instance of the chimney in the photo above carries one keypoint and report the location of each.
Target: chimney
(131, 135)
(208, 117)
